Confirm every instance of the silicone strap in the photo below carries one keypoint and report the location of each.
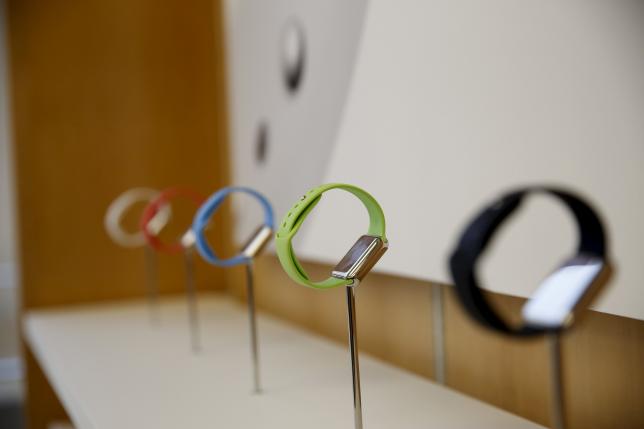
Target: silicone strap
(208, 209)
(294, 219)
(478, 235)
(162, 200)
(120, 206)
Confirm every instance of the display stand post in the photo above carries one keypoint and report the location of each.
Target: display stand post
(153, 226)
(250, 296)
(191, 295)
(557, 406)
(353, 347)
(152, 282)
(438, 333)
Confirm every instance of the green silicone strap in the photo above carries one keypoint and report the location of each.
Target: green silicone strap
(294, 219)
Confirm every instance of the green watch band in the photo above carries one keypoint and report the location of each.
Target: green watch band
(294, 219)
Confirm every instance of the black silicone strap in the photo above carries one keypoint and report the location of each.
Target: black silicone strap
(478, 235)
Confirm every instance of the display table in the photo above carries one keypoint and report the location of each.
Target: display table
(112, 368)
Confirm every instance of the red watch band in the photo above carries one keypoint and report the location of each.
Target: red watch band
(165, 197)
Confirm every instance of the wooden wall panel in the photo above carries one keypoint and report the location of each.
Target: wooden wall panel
(108, 95)
(509, 373)
(604, 372)
(603, 354)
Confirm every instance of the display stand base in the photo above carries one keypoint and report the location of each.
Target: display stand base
(112, 369)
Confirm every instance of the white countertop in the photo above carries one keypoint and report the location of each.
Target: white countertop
(112, 368)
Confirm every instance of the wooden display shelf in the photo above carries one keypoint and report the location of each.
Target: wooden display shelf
(113, 368)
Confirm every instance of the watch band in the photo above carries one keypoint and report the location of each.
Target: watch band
(120, 206)
(478, 235)
(162, 200)
(294, 219)
(208, 209)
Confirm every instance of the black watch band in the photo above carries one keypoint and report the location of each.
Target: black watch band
(478, 235)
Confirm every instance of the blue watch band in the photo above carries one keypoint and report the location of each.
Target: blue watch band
(208, 209)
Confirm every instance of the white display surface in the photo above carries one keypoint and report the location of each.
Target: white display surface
(449, 103)
(113, 369)
(453, 102)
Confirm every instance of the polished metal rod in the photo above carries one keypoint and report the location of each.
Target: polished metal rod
(191, 296)
(152, 282)
(355, 363)
(557, 406)
(250, 294)
(438, 337)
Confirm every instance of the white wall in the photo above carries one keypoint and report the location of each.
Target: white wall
(450, 102)
(301, 125)
(456, 101)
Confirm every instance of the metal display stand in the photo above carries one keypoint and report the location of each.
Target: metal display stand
(191, 299)
(114, 229)
(250, 250)
(557, 405)
(252, 321)
(438, 333)
(246, 256)
(355, 359)
(188, 242)
(566, 291)
(154, 227)
(152, 282)
(355, 265)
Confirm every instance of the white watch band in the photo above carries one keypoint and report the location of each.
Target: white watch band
(119, 207)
